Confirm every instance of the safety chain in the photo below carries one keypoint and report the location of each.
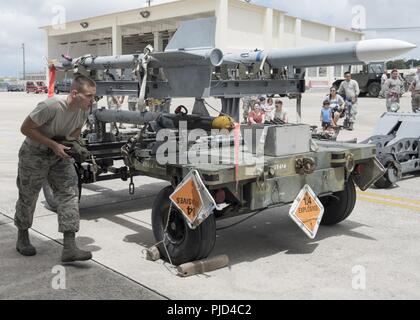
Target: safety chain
(132, 187)
(163, 242)
(94, 167)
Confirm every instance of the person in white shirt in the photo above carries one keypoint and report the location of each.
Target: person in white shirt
(337, 105)
(269, 109)
(280, 113)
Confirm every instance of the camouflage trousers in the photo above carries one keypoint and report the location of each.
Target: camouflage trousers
(415, 102)
(352, 113)
(37, 166)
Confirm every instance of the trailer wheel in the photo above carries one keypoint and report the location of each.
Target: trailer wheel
(340, 205)
(374, 89)
(183, 244)
(392, 175)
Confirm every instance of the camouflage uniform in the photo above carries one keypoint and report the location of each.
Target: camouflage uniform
(415, 96)
(393, 90)
(351, 91)
(248, 104)
(37, 166)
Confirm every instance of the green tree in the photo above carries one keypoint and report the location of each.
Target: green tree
(412, 63)
(397, 64)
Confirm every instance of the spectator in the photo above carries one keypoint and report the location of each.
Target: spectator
(415, 92)
(269, 109)
(280, 113)
(393, 90)
(256, 116)
(326, 115)
(337, 105)
(349, 89)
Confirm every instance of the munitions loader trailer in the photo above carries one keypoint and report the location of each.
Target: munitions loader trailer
(216, 168)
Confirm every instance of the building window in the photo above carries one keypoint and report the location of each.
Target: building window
(323, 72)
(338, 71)
(312, 72)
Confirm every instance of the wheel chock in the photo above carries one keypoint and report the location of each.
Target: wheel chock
(202, 266)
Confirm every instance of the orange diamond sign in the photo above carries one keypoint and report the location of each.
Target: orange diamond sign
(188, 199)
(307, 211)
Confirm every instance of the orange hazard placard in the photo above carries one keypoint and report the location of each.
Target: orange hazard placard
(307, 211)
(188, 200)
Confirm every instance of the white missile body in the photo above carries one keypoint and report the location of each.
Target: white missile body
(364, 51)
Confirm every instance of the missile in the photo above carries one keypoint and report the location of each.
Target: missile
(171, 59)
(345, 53)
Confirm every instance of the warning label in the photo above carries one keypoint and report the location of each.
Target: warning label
(188, 200)
(307, 211)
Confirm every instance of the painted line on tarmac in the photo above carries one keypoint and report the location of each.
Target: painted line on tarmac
(3, 213)
(106, 267)
(384, 196)
(388, 203)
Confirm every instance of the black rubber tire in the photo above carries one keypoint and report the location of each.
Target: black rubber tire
(187, 245)
(374, 89)
(339, 207)
(383, 183)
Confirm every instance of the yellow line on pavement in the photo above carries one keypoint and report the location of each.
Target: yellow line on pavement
(383, 196)
(387, 203)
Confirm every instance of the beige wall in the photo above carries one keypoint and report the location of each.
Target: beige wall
(241, 26)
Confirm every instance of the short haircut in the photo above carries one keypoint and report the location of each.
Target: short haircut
(326, 102)
(394, 70)
(80, 82)
(346, 73)
(278, 101)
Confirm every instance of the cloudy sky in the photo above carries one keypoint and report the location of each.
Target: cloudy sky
(20, 20)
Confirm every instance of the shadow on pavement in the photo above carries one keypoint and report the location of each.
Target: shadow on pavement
(269, 234)
(30, 278)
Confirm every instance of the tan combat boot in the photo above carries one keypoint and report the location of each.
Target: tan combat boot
(71, 252)
(23, 245)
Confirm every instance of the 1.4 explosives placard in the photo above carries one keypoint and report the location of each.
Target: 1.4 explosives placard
(193, 199)
(307, 211)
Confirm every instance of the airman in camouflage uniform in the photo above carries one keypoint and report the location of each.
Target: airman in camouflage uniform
(393, 89)
(350, 90)
(415, 92)
(43, 159)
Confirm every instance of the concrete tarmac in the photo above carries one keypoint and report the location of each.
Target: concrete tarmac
(372, 255)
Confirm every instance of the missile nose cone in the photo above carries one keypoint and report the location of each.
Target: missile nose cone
(382, 49)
